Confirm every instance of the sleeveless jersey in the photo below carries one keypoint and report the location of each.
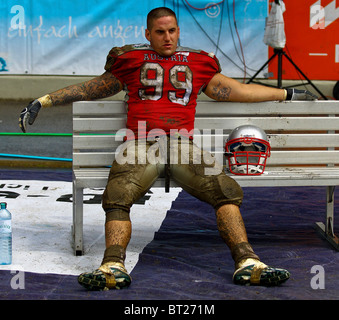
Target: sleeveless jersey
(161, 92)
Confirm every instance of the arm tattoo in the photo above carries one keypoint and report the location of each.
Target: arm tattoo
(221, 93)
(96, 88)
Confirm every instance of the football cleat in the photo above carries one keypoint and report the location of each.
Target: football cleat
(112, 275)
(260, 274)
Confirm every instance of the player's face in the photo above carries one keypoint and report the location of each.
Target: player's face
(164, 35)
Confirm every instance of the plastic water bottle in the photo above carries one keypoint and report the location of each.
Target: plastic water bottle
(5, 235)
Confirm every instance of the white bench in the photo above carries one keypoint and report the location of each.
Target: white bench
(303, 137)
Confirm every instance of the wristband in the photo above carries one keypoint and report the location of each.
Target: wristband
(289, 93)
(46, 101)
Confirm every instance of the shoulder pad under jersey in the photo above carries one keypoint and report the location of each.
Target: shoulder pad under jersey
(187, 49)
(128, 47)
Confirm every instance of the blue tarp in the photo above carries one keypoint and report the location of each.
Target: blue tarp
(187, 260)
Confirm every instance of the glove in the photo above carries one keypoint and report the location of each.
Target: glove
(29, 114)
(295, 94)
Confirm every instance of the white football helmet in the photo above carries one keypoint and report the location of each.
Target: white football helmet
(247, 149)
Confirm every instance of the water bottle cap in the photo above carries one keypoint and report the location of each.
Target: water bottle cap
(3, 205)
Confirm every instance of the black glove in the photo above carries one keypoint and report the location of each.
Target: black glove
(295, 94)
(29, 114)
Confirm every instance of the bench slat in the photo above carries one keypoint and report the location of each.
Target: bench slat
(303, 157)
(277, 158)
(89, 178)
(95, 142)
(298, 140)
(93, 158)
(272, 124)
(269, 108)
(90, 108)
(303, 140)
(224, 123)
(98, 124)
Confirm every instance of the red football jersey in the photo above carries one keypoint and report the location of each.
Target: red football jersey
(161, 91)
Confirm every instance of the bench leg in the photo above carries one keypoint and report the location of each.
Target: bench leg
(77, 220)
(326, 230)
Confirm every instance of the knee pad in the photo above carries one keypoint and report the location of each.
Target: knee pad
(225, 191)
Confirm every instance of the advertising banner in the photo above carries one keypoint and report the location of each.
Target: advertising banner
(45, 37)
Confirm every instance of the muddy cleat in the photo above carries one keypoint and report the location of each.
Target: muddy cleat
(260, 274)
(112, 275)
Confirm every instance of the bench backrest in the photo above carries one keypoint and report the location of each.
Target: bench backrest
(300, 132)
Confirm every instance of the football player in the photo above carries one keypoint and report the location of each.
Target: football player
(162, 81)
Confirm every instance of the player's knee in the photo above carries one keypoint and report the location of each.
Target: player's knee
(230, 192)
(116, 204)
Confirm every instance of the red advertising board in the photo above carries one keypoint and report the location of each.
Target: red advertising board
(312, 40)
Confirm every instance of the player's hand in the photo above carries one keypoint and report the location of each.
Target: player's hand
(295, 94)
(29, 114)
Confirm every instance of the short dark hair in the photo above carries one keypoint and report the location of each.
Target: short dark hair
(157, 13)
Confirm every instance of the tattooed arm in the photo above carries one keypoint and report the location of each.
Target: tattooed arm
(100, 87)
(222, 88)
